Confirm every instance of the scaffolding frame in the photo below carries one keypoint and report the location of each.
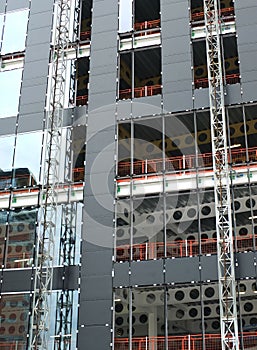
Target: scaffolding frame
(48, 211)
(225, 252)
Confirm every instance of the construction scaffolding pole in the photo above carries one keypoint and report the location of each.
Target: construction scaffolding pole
(225, 251)
(47, 221)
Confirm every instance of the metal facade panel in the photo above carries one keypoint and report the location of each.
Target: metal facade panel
(16, 5)
(209, 268)
(233, 94)
(95, 266)
(94, 337)
(7, 125)
(146, 106)
(124, 109)
(40, 35)
(32, 108)
(246, 265)
(121, 274)
(201, 98)
(37, 92)
(95, 312)
(16, 281)
(41, 6)
(147, 272)
(182, 270)
(176, 41)
(31, 122)
(40, 20)
(97, 287)
(35, 69)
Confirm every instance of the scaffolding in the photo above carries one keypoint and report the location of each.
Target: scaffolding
(48, 213)
(225, 252)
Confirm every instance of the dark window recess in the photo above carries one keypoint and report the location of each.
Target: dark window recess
(226, 10)
(82, 69)
(86, 20)
(230, 62)
(147, 15)
(146, 80)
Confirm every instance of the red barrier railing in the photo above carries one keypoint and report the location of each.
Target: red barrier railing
(184, 162)
(230, 79)
(85, 36)
(81, 100)
(12, 345)
(140, 91)
(226, 14)
(147, 25)
(186, 342)
(179, 249)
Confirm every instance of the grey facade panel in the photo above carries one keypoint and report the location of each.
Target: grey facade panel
(16, 5)
(105, 24)
(147, 272)
(250, 91)
(99, 235)
(233, 94)
(104, 8)
(95, 264)
(32, 108)
(201, 98)
(176, 41)
(34, 82)
(209, 268)
(182, 270)
(124, 109)
(2, 6)
(94, 337)
(16, 281)
(37, 52)
(101, 99)
(40, 20)
(41, 6)
(7, 125)
(95, 312)
(172, 9)
(178, 101)
(146, 106)
(36, 69)
(34, 93)
(97, 287)
(245, 265)
(40, 35)
(31, 122)
(92, 246)
(121, 274)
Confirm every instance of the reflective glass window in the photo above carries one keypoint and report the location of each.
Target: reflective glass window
(23, 159)
(14, 321)
(125, 16)
(10, 82)
(15, 30)
(6, 152)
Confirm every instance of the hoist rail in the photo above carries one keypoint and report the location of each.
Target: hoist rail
(47, 221)
(226, 269)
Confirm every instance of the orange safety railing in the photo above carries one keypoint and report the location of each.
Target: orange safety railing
(13, 345)
(184, 162)
(224, 13)
(140, 91)
(147, 25)
(183, 342)
(85, 36)
(230, 79)
(180, 249)
(81, 100)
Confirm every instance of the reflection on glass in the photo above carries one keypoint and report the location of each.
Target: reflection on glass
(6, 152)
(1, 24)
(24, 160)
(125, 16)
(14, 321)
(15, 30)
(21, 232)
(10, 92)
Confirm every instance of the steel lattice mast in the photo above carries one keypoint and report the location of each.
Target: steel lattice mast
(47, 231)
(225, 252)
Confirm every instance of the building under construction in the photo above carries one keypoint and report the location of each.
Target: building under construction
(128, 174)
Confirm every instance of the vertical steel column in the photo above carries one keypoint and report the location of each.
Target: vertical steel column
(47, 230)
(225, 252)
